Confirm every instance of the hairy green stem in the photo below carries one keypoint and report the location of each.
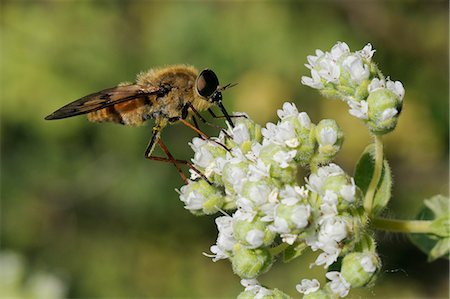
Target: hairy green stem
(368, 199)
(279, 249)
(402, 226)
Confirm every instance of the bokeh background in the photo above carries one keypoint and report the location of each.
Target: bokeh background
(84, 215)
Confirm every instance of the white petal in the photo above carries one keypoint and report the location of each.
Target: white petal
(388, 113)
(307, 286)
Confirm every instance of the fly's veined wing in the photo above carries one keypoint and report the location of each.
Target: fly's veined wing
(102, 99)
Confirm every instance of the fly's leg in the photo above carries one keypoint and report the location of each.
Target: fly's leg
(170, 159)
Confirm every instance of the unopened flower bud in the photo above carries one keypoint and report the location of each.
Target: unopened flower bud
(360, 268)
(319, 294)
(201, 198)
(253, 234)
(281, 161)
(250, 263)
(329, 137)
(384, 107)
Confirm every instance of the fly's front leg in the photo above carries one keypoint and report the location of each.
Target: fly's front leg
(223, 116)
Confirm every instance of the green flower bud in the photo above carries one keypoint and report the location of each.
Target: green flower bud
(246, 295)
(250, 263)
(253, 234)
(281, 161)
(201, 198)
(384, 107)
(361, 92)
(291, 218)
(263, 293)
(360, 268)
(319, 294)
(305, 151)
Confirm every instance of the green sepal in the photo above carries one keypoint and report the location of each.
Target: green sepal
(437, 244)
(363, 175)
(294, 251)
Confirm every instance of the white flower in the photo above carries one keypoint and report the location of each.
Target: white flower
(300, 215)
(328, 210)
(330, 198)
(283, 158)
(253, 286)
(279, 225)
(376, 84)
(253, 154)
(328, 136)
(202, 157)
(396, 87)
(315, 80)
(282, 134)
(367, 264)
(288, 238)
(235, 175)
(192, 200)
(302, 191)
(289, 109)
(315, 182)
(307, 286)
(339, 49)
(194, 175)
(329, 70)
(388, 113)
(258, 171)
(326, 259)
(225, 239)
(290, 195)
(240, 133)
(366, 52)
(357, 69)
(218, 254)
(332, 230)
(312, 60)
(348, 192)
(255, 238)
(338, 284)
(304, 120)
(359, 109)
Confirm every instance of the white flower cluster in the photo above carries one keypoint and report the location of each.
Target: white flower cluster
(254, 186)
(354, 78)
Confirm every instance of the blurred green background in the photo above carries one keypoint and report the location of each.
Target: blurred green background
(78, 199)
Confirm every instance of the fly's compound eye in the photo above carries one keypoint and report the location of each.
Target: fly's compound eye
(207, 83)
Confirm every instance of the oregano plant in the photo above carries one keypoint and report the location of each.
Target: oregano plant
(265, 213)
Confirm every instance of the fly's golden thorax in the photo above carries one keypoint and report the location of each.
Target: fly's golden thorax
(179, 81)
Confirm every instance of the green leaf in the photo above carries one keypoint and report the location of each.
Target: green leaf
(435, 245)
(364, 168)
(383, 193)
(438, 204)
(294, 251)
(363, 176)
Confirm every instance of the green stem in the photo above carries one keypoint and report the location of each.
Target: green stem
(368, 199)
(279, 249)
(402, 226)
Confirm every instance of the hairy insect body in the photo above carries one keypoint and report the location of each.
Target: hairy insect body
(168, 95)
(176, 87)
